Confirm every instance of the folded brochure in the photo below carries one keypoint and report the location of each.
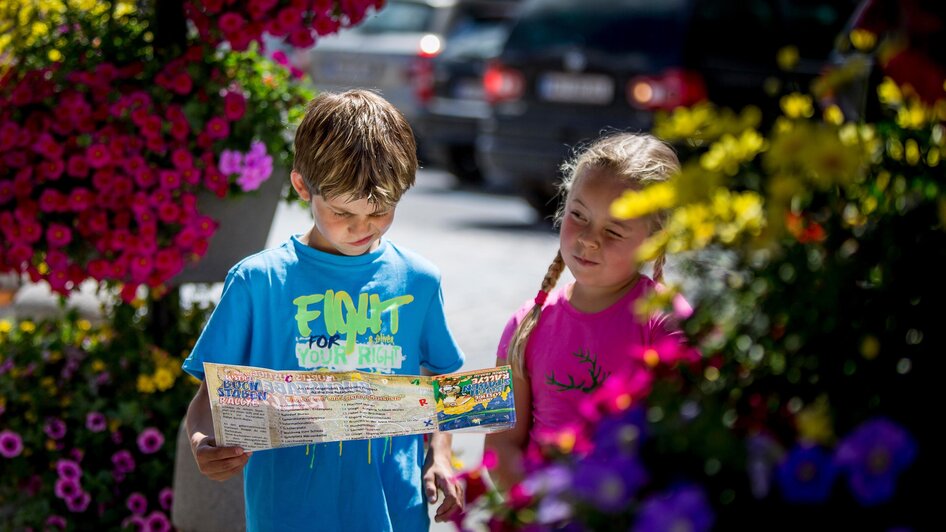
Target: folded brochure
(259, 408)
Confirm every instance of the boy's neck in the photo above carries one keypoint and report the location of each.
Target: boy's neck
(595, 299)
(311, 239)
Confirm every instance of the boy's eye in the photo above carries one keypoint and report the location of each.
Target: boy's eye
(343, 214)
(380, 214)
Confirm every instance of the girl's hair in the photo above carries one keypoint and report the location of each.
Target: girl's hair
(639, 159)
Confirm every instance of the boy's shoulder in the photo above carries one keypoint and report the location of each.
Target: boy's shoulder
(413, 261)
(264, 262)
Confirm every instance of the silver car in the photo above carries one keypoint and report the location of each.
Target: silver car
(388, 52)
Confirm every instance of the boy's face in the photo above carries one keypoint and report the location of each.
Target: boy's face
(348, 227)
(344, 226)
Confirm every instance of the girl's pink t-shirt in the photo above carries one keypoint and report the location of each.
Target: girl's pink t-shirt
(570, 353)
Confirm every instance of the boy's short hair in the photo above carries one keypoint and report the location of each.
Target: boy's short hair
(355, 144)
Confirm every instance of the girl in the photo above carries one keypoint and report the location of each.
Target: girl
(565, 343)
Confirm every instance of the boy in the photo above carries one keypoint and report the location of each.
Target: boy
(313, 303)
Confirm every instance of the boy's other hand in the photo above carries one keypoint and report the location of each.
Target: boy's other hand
(219, 463)
(440, 475)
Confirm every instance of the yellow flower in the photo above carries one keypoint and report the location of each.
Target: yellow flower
(912, 152)
(833, 115)
(889, 93)
(145, 384)
(913, 115)
(98, 365)
(84, 325)
(5, 326)
(814, 422)
(863, 39)
(54, 55)
(787, 57)
(163, 379)
(27, 326)
(942, 212)
(797, 105)
(637, 203)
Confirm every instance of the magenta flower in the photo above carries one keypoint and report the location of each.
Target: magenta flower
(123, 461)
(79, 503)
(166, 498)
(217, 128)
(66, 488)
(55, 428)
(11, 444)
(77, 166)
(150, 440)
(98, 156)
(58, 235)
(137, 503)
(231, 22)
(95, 421)
(68, 469)
(56, 521)
(158, 522)
(234, 106)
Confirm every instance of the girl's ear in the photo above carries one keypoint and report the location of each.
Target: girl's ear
(298, 183)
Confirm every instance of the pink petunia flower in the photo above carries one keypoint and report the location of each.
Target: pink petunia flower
(66, 488)
(11, 444)
(217, 128)
(98, 156)
(231, 162)
(158, 522)
(79, 503)
(150, 440)
(136, 503)
(96, 421)
(68, 469)
(123, 461)
(55, 428)
(234, 105)
(166, 498)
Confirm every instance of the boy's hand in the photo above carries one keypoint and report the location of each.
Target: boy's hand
(218, 463)
(439, 474)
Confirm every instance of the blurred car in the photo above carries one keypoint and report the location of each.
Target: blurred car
(454, 101)
(388, 52)
(573, 68)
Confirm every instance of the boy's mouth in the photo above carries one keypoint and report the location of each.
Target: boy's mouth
(362, 242)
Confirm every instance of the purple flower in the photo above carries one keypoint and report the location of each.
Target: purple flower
(56, 521)
(231, 162)
(123, 461)
(66, 488)
(79, 503)
(166, 498)
(258, 166)
(150, 440)
(135, 522)
(553, 510)
(608, 484)
(158, 522)
(683, 508)
(806, 475)
(68, 469)
(55, 428)
(95, 421)
(762, 453)
(553, 479)
(137, 503)
(11, 444)
(620, 433)
(873, 456)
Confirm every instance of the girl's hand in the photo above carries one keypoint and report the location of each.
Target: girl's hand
(438, 474)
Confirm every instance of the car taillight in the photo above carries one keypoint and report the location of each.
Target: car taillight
(422, 78)
(673, 88)
(502, 84)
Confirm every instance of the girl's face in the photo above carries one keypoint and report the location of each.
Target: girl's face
(599, 249)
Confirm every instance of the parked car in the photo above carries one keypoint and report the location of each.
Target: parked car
(454, 102)
(388, 52)
(572, 68)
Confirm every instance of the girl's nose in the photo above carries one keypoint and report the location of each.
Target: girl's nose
(587, 241)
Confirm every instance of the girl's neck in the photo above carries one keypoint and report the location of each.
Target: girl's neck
(595, 299)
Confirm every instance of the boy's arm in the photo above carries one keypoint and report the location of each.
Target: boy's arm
(216, 463)
(438, 474)
(509, 444)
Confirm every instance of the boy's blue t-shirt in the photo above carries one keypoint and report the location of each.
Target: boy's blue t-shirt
(273, 314)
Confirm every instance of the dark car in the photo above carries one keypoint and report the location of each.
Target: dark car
(573, 68)
(453, 101)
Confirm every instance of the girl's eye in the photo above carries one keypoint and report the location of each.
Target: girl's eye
(614, 234)
(577, 215)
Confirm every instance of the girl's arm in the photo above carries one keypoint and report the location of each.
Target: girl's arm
(510, 444)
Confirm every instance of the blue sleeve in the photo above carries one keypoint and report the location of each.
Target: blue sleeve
(226, 337)
(440, 351)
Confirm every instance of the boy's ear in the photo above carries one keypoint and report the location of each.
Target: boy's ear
(298, 183)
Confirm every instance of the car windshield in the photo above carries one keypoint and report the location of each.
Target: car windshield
(606, 26)
(399, 17)
(476, 40)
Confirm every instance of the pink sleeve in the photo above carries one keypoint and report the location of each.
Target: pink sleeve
(503, 350)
